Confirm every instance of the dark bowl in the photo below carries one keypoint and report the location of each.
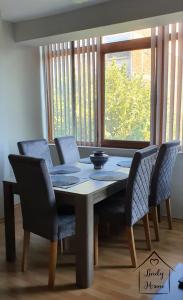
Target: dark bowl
(99, 158)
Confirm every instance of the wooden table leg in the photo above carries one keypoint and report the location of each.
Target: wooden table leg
(84, 243)
(9, 222)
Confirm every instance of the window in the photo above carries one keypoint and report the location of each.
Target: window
(71, 82)
(73, 87)
(126, 81)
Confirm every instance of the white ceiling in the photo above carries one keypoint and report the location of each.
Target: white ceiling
(18, 10)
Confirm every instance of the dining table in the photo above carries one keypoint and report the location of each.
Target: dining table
(83, 196)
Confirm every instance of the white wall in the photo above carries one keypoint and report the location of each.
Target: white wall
(20, 113)
(177, 188)
(122, 15)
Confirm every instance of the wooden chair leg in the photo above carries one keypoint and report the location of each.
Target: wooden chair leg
(169, 214)
(96, 244)
(131, 242)
(147, 231)
(26, 244)
(52, 263)
(154, 214)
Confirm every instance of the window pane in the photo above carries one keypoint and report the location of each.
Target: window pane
(127, 95)
(126, 36)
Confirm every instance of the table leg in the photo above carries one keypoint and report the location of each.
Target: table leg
(84, 243)
(9, 222)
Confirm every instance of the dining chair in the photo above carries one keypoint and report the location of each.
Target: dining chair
(67, 149)
(38, 148)
(160, 186)
(39, 210)
(134, 205)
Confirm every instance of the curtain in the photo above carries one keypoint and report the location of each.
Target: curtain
(167, 83)
(71, 89)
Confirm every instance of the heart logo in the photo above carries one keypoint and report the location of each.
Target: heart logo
(154, 261)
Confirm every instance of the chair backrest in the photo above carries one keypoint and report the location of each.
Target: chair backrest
(67, 149)
(162, 174)
(36, 148)
(137, 200)
(36, 195)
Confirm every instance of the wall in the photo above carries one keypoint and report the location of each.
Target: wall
(20, 113)
(118, 15)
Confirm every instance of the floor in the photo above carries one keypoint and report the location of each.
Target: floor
(113, 278)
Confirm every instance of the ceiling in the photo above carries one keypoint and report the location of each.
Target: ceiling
(19, 10)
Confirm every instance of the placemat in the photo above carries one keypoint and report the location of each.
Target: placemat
(125, 162)
(64, 169)
(85, 160)
(64, 181)
(108, 176)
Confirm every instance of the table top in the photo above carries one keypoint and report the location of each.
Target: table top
(91, 186)
(96, 189)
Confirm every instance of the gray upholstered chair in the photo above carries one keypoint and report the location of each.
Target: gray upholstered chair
(40, 149)
(135, 204)
(36, 148)
(39, 210)
(161, 181)
(67, 149)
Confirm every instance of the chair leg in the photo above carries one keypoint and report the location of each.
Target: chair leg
(169, 214)
(131, 241)
(52, 263)
(26, 243)
(96, 244)
(154, 214)
(147, 231)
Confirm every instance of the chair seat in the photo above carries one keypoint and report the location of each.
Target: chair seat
(66, 225)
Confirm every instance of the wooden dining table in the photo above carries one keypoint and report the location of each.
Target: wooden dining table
(83, 197)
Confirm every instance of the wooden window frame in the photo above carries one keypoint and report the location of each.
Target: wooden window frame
(136, 44)
(127, 45)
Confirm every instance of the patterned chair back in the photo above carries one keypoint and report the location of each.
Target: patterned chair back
(37, 197)
(36, 148)
(67, 149)
(162, 173)
(137, 199)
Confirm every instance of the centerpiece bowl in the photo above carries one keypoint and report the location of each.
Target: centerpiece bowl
(99, 158)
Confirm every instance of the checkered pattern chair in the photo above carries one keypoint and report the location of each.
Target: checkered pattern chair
(160, 186)
(134, 206)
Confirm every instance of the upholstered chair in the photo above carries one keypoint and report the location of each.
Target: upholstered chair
(67, 149)
(134, 206)
(36, 148)
(39, 210)
(160, 186)
(40, 149)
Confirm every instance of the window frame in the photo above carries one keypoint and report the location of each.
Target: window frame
(128, 45)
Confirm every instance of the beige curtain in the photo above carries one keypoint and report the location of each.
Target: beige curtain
(71, 89)
(167, 83)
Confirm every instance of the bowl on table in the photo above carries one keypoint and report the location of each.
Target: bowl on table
(99, 158)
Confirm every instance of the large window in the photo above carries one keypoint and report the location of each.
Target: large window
(120, 90)
(126, 81)
(109, 105)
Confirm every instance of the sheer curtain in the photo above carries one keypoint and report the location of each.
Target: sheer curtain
(167, 83)
(70, 76)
